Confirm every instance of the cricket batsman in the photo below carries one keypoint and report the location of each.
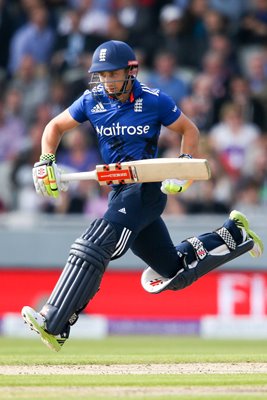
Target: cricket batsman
(127, 117)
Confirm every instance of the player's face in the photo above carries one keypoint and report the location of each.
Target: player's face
(113, 80)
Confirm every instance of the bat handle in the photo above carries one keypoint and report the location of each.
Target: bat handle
(78, 176)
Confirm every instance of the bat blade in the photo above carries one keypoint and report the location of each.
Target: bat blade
(157, 170)
(152, 170)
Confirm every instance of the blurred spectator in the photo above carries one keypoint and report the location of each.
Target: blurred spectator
(166, 77)
(33, 85)
(7, 27)
(231, 9)
(252, 108)
(13, 102)
(257, 74)
(183, 4)
(223, 186)
(214, 23)
(260, 163)
(202, 96)
(224, 46)
(58, 97)
(253, 25)
(117, 31)
(194, 17)
(232, 139)
(77, 83)
(247, 195)
(12, 134)
(71, 43)
(93, 19)
(78, 155)
(23, 9)
(43, 114)
(206, 202)
(260, 170)
(12, 141)
(135, 18)
(193, 34)
(169, 143)
(215, 67)
(24, 195)
(189, 107)
(35, 38)
(143, 71)
(168, 37)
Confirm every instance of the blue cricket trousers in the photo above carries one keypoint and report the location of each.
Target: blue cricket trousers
(135, 212)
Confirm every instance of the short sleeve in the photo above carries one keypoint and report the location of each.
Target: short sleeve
(168, 110)
(77, 110)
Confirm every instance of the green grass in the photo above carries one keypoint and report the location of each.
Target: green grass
(138, 350)
(137, 380)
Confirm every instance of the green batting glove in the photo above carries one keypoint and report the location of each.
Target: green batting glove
(46, 177)
(174, 186)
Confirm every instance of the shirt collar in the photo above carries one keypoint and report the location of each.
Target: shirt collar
(136, 91)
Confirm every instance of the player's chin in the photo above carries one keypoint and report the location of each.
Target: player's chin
(110, 91)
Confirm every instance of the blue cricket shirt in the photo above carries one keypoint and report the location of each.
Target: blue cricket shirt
(126, 131)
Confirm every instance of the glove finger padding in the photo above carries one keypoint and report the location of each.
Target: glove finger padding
(46, 178)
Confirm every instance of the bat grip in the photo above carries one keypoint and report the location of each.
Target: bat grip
(78, 176)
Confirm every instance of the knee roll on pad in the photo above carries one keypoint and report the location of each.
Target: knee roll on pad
(80, 280)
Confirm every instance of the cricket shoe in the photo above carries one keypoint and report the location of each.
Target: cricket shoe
(36, 323)
(242, 222)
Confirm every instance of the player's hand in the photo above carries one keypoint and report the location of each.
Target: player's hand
(46, 177)
(174, 186)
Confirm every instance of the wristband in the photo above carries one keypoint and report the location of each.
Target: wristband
(184, 155)
(48, 157)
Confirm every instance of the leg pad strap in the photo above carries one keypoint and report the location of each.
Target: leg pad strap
(227, 237)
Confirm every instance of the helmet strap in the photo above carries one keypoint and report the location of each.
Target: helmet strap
(130, 77)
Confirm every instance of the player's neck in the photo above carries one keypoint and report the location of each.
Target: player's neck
(124, 97)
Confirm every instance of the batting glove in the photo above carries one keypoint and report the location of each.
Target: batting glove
(174, 186)
(46, 177)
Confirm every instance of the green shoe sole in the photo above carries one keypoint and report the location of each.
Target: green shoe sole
(242, 222)
(48, 339)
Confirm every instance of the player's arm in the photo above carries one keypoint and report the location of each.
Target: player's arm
(189, 132)
(54, 131)
(46, 174)
(189, 148)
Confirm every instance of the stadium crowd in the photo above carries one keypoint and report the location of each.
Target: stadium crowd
(209, 55)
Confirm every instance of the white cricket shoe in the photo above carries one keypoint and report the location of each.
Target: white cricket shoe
(242, 222)
(36, 323)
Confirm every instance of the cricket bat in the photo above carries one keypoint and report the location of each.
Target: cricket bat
(152, 170)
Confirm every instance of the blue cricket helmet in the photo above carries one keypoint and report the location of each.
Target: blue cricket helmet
(113, 55)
